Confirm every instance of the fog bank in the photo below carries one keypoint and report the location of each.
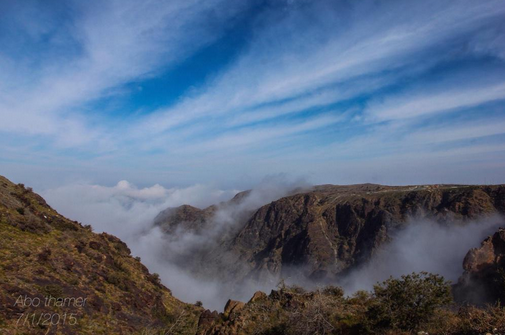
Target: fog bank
(423, 245)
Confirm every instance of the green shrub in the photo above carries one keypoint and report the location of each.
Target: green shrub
(409, 301)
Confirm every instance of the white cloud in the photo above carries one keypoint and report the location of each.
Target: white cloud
(458, 131)
(423, 246)
(277, 66)
(124, 209)
(411, 104)
(311, 55)
(119, 41)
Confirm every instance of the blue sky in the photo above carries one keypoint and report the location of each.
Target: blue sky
(227, 92)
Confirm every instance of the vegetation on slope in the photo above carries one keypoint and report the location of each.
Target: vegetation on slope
(413, 304)
(58, 277)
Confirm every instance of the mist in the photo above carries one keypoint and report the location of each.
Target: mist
(128, 213)
(125, 210)
(423, 245)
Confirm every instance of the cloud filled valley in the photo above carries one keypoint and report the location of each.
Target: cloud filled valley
(129, 212)
(182, 253)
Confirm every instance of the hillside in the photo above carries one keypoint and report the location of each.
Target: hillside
(58, 277)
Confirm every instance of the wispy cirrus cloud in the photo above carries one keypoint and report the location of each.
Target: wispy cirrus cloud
(101, 46)
(413, 105)
(283, 63)
(310, 82)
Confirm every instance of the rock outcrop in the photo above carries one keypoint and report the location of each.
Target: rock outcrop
(484, 278)
(233, 306)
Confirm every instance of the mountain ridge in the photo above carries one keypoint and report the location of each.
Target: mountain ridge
(329, 229)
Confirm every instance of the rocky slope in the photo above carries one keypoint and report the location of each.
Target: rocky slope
(58, 277)
(329, 229)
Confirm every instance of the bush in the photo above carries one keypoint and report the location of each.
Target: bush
(408, 302)
(295, 289)
(155, 278)
(317, 316)
(120, 265)
(284, 288)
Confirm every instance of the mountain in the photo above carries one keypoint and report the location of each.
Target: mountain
(58, 277)
(194, 219)
(333, 228)
(328, 230)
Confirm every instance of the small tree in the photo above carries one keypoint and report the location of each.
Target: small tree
(409, 301)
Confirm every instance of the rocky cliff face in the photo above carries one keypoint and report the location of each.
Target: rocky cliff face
(484, 278)
(330, 229)
(58, 277)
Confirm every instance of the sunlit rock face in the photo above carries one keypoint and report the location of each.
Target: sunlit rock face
(483, 279)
